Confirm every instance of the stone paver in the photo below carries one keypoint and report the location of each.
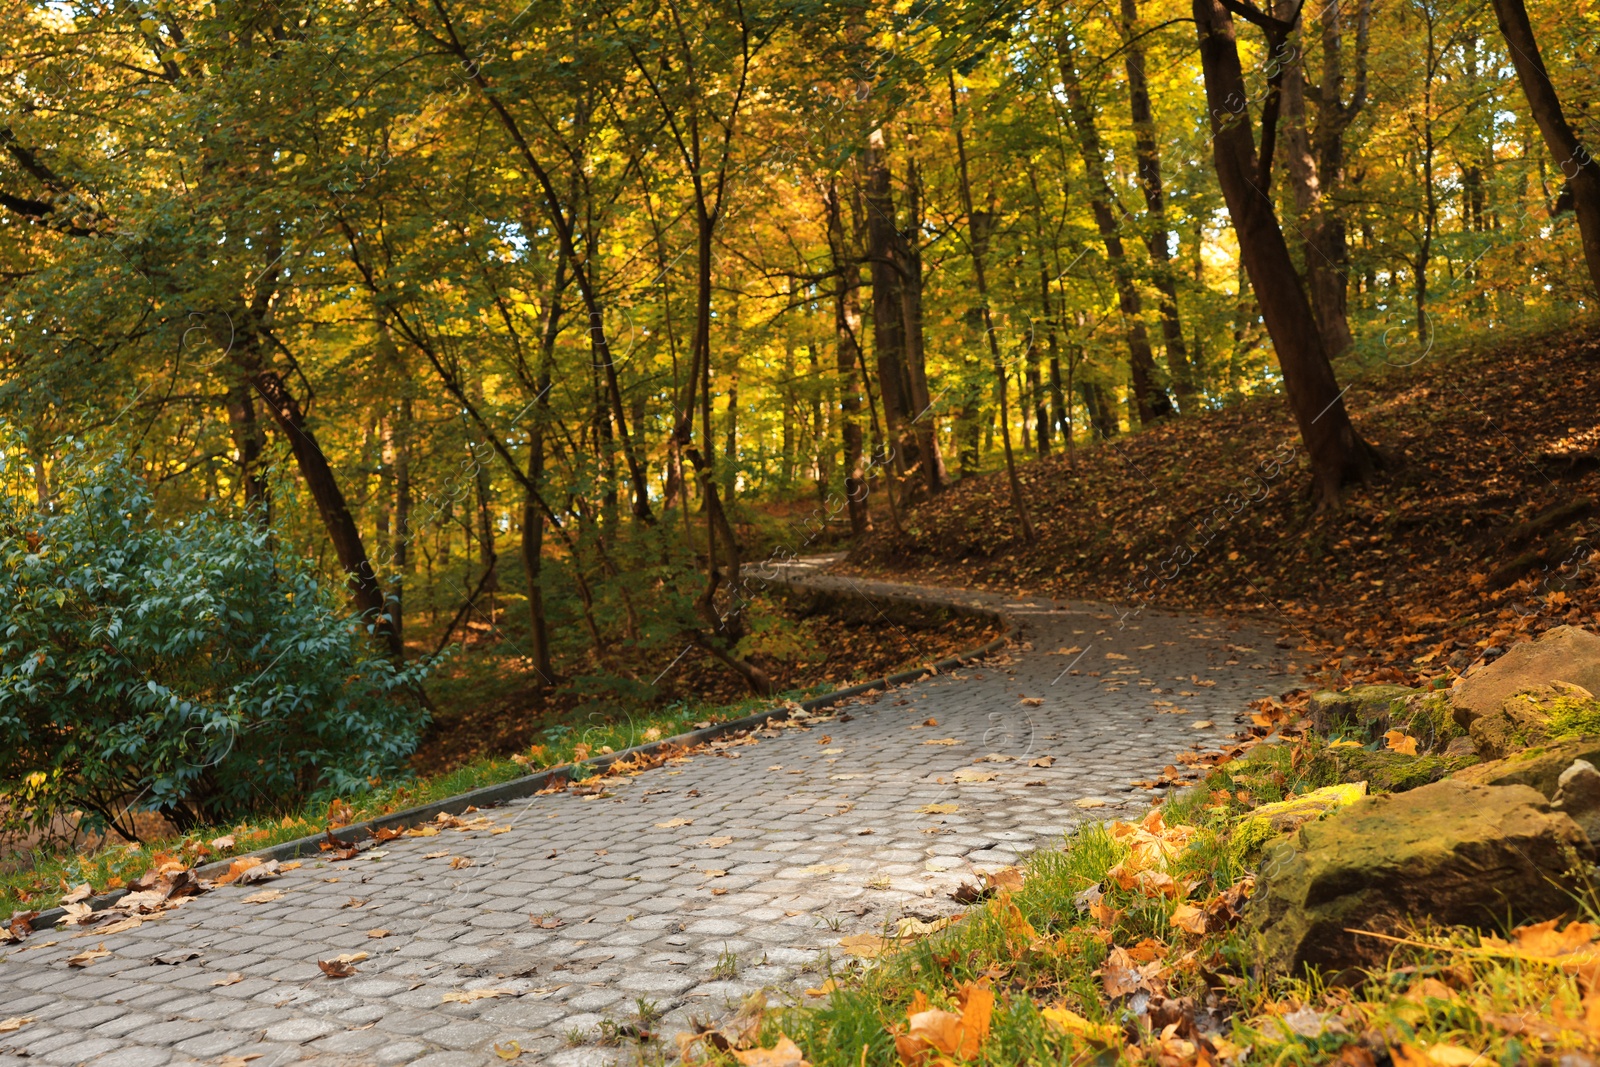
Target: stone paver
(825, 839)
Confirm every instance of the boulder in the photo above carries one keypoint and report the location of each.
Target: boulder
(1446, 853)
(1273, 820)
(1538, 767)
(1578, 795)
(1563, 654)
(1534, 715)
(1361, 709)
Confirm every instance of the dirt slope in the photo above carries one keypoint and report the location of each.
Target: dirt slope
(1486, 530)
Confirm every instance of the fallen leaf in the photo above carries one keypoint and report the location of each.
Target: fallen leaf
(233, 978)
(511, 1049)
(950, 1033)
(467, 996)
(1344, 744)
(1089, 802)
(825, 868)
(673, 823)
(266, 896)
(342, 966)
(1203, 724)
(1189, 919)
(460, 862)
(1032, 702)
(76, 914)
(866, 946)
(1396, 741)
(81, 893)
(88, 956)
(15, 1023)
(1072, 1023)
(939, 809)
(714, 874)
(942, 741)
(971, 774)
(784, 1054)
(1041, 761)
(546, 922)
(716, 842)
(930, 722)
(380, 932)
(1115, 655)
(1007, 878)
(172, 959)
(443, 852)
(824, 989)
(422, 831)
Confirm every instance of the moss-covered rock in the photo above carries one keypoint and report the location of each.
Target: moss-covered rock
(1271, 821)
(1539, 767)
(1361, 710)
(1534, 715)
(1393, 772)
(1447, 853)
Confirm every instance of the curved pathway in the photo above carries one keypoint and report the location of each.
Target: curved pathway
(684, 887)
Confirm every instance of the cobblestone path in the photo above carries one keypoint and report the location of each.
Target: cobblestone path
(688, 886)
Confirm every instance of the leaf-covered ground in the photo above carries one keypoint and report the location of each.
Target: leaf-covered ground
(1485, 529)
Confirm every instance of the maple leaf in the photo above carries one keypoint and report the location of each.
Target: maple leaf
(1189, 918)
(1396, 741)
(932, 1030)
(458, 863)
(88, 956)
(1070, 1022)
(970, 774)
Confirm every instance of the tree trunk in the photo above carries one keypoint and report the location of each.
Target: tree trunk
(400, 559)
(1577, 164)
(248, 443)
(846, 329)
(1338, 454)
(888, 315)
(365, 593)
(908, 258)
(1148, 157)
(1150, 399)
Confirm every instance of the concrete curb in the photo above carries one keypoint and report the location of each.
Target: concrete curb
(528, 785)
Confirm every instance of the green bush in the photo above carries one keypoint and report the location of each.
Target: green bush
(196, 668)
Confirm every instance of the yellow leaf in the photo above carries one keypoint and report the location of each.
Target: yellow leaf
(1115, 655)
(972, 774)
(824, 989)
(1090, 802)
(1401, 743)
(942, 741)
(939, 809)
(1189, 919)
(671, 824)
(866, 946)
(88, 956)
(1071, 1022)
(825, 868)
(265, 896)
(1345, 744)
(508, 1051)
(15, 1023)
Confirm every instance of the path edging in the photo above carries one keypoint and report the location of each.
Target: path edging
(529, 784)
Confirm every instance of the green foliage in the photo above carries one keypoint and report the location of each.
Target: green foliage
(195, 667)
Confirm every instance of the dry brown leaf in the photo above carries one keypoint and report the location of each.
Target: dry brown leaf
(15, 1023)
(443, 852)
(265, 896)
(784, 1054)
(1041, 761)
(380, 932)
(1068, 1021)
(930, 722)
(1189, 919)
(672, 824)
(824, 989)
(546, 922)
(825, 868)
(972, 774)
(467, 996)
(460, 862)
(1007, 878)
(238, 867)
(942, 741)
(76, 914)
(932, 1030)
(716, 842)
(938, 809)
(233, 978)
(81, 893)
(1115, 655)
(1032, 702)
(1089, 802)
(239, 1061)
(88, 956)
(422, 831)
(866, 946)
(342, 966)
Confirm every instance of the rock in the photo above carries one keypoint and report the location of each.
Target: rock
(1563, 654)
(1460, 746)
(1393, 772)
(1447, 853)
(1578, 794)
(1534, 715)
(1285, 816)
(1539, 767)
(1362, 709)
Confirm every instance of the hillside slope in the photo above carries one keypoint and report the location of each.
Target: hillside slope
(1486, 529)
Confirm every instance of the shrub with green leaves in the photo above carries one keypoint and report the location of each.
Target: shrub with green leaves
(196, 667)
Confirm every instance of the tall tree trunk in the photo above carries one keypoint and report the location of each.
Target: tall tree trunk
(888, 316)
(1316, 165)
(979, 226)
(365, 593)
(1577, 164)
(248, 443)
(400, 559)
(908, 258)
(1150, 398)
(1338, 454)
(846, 331)
(1148, 157)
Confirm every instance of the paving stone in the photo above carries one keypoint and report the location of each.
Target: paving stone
(299, 1031)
